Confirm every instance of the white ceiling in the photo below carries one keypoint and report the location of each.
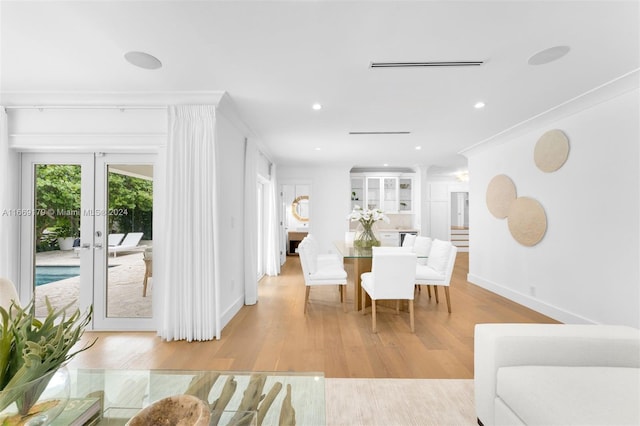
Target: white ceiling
(275, 59)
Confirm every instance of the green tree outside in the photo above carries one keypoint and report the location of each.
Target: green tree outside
(58, 208)
(130, 205)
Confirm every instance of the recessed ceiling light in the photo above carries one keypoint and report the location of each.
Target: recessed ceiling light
(385, 165)
(318, 149)
(418, 148)
(479, 105)
(143, 60)
(316, 107)
(548, 55)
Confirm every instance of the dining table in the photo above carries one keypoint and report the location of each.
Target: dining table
(357, 261)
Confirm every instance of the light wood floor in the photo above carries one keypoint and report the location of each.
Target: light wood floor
(275, 335)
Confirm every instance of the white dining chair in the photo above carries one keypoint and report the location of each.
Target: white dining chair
(321, 270)
(439, 268)
(409, 240)
(392, 277)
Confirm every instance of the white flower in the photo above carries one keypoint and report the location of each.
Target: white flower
(367, 217)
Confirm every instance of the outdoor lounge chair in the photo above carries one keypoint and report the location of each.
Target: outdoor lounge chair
(130, 243)
(114, 239)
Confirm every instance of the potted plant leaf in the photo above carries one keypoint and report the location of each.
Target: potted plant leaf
(65, 235)
(32, 350)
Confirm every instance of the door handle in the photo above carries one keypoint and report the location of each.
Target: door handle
(85, 246)
(98, 246)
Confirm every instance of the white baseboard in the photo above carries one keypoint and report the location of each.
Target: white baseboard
(230, 312)
(530, 302)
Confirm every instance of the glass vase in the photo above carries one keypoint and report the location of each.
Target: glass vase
(37, 402)
(365, 237)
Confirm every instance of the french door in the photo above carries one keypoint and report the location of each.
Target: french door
(87, 236)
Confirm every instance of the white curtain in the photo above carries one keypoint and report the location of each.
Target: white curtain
(189, 294)
(250, 222)
(273, 226)
(9, 191)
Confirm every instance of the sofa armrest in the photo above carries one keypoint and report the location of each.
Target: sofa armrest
(500, 345)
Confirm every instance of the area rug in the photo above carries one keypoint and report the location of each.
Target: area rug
(399, 402)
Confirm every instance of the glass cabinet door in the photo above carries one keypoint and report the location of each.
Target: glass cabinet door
(390, 194)
(373, 193)
(357, 192)
(405, 190)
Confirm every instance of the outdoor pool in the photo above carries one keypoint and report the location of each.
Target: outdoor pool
(49, 274)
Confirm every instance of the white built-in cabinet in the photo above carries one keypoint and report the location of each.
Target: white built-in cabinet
(391, 194)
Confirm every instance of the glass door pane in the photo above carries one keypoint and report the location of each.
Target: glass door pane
(124, 265)
(130, 239)
(57, 232)
(55, 194)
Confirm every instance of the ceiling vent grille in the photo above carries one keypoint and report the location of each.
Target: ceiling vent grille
(381, 133)
(426, 64)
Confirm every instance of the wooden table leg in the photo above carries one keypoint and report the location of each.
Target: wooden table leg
(358, 266)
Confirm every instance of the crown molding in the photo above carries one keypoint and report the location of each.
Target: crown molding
(99, 98)
(609, 90)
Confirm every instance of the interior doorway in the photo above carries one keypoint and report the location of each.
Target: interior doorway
(296, 203)
(459, 232)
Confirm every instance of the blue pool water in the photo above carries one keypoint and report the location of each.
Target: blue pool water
(49, 274)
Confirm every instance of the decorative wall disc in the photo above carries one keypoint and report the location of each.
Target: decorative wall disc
(527, 221)
(551, 151)
(501, 193)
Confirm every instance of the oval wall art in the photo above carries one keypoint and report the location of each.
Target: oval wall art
(551, 151)
(527, 221)
(501, 193)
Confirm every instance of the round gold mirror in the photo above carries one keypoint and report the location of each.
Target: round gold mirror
(300, 208)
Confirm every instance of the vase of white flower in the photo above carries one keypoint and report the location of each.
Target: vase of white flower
(365, 237)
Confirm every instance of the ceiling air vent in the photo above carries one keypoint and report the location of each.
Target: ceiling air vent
(381, 133)
(426, 64)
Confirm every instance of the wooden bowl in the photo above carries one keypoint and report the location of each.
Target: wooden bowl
(179, 410)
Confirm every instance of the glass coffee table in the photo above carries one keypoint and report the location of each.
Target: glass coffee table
(123, 393)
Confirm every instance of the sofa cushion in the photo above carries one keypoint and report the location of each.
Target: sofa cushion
(564, 395)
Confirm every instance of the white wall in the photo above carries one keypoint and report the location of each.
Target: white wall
(586, 268)
(329, 201)
(230, 175)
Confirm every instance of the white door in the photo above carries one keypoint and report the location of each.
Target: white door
(74, 195)
(123, 276)
(260, 203)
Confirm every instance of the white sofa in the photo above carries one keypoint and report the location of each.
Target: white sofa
(557, 374)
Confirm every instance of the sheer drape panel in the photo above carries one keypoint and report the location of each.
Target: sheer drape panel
(250, 222)
(189, 292)
(9, 190)
(273, 227)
